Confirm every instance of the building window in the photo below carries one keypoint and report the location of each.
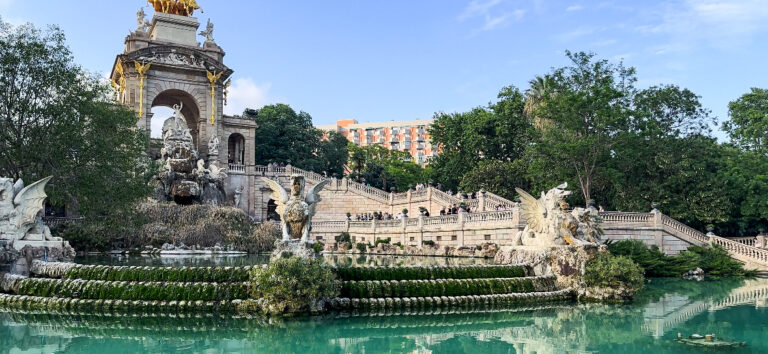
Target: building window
(439, 238)
(319, 238)
(454, 238)
(487, 237)
(412, 239)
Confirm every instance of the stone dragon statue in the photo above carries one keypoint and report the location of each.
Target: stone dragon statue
(549, 223)
(295, 212)
(19, 210)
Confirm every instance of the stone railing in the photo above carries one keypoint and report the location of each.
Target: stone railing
(489, 216)
(53, 221)
(749, 240)
(236, 168)
(620, 217)
(684, 231)
(492, 201)
(742, 252)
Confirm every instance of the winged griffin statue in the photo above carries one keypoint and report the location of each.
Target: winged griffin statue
(295, 212)
(551, 224)
(19, 209)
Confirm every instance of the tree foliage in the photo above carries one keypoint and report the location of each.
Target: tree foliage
(286, 136)
(748, 126)
(58, 120)
(383, 168)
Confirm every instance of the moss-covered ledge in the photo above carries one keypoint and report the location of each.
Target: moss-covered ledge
(141, 274)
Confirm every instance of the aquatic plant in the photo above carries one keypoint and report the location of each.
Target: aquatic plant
(293, 285)
(430, 272)
(445, 287)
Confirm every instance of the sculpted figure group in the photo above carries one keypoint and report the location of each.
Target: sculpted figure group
(551, 224)
(175, 7)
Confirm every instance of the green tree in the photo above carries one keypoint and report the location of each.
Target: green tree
(332, 154)
(748, 127)
(284, 136)
(498, 132)
(589, 110)
(499, 177)
(58, 120)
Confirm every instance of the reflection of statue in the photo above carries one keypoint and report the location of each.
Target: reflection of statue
(208, 33)
(550, 223)
(295, 213)
(142, 22)
(213, 145)
(19, 209)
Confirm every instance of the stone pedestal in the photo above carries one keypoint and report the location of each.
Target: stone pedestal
(567, 263)
(295, 248)
(174, 29)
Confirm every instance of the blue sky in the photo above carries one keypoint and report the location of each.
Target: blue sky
(406, 59)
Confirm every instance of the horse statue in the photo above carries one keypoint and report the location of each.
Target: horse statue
(175, 7)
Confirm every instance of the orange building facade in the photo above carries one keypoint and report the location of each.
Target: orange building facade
(411, 136)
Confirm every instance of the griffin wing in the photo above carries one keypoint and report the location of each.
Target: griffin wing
(313, 196)
(279, 195)
(29, 201)
(533, 211)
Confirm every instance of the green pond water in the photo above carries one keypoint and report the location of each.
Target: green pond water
(732, 309)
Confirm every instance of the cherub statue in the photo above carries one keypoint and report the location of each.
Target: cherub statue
(295, 213)
(550, 224)
(19, 209)
(141, 20)
(208, 33)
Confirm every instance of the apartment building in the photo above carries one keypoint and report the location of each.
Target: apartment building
(411, 136)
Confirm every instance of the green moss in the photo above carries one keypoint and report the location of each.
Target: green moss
(413, 273)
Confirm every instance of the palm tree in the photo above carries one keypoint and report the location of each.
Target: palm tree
(534, 100)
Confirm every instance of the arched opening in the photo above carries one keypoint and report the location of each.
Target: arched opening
(169, 98)
(272, 211)
(236, 151)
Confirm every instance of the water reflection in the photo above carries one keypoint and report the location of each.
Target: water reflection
(733, 309)
(222, 261)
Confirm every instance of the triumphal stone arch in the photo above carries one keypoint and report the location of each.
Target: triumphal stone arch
(163, 64)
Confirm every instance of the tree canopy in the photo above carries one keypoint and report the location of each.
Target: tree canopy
(58, 120)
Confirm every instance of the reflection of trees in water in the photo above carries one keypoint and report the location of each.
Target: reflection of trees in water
(547, 329)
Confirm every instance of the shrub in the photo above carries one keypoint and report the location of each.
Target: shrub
(318, 247)
(293, 285)
(361, 247)
(428, 243)
(262, 239)
(343, 237)
(609, 271)
(382, 240)
(714, 260)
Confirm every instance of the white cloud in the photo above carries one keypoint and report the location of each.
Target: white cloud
(574, 8)
(476, 8)
(719, 23)
(578, 32)
(245, 93)
(492, 13)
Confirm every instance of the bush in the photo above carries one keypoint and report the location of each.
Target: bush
(382, 240)
(343, 237)
(714, 260)
(262, 239)
(293, 285)
(609, 271)
(318, 247)
(151, 223)
(428, 243)
(361, 247)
